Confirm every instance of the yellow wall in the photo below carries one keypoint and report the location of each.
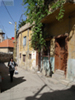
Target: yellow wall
(71, 44)
(60, 27)
(21, 35)
(52, 47)
(26, 50)
(64, 26)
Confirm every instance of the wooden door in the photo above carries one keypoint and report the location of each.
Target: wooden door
(60, 53)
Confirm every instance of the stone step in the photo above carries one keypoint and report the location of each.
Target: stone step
(53, 81)
(60, 72)
(58, 76)
(65, 82)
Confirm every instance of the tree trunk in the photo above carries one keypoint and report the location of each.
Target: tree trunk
(49, 60)
(39, 62)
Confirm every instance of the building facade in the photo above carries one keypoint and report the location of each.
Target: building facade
(63, 33)
(7, 46)
(26, 55)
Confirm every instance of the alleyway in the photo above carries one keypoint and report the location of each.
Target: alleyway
(29, 85)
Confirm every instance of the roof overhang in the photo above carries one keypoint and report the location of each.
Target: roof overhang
(25, 27)
(69, 11)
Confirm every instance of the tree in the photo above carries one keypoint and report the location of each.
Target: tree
(21, 23)
(35, 11)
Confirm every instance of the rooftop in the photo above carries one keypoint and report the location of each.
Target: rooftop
(7, 43)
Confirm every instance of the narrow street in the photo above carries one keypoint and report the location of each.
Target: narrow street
(29, 85)
(37, 37)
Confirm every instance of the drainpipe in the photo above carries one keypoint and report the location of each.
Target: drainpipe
(28, 48)
(28, 40)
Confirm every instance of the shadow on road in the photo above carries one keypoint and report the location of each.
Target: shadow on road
(68, 94)
(6, 84)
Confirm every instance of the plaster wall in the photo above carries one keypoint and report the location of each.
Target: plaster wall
(71, 55)
(5, 50)
(65, 26)
(26, 50)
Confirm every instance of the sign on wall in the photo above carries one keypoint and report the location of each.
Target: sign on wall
(33, 54)
(33, 58)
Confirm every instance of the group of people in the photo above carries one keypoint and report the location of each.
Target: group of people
(12, 66)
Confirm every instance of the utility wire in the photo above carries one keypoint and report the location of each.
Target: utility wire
(8, 11)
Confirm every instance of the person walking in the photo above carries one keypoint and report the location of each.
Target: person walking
(12, 66)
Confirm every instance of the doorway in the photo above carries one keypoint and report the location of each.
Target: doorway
(61, 53)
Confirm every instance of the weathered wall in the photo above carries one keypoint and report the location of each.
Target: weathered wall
(71, 55)
(52, 47)
(4, 50)
(64, 27)
(68, 26)
(45, 61)
(26, 50)
(45, 65)
(60, 27)
(28, 42)
(55, 29)
(18, 50)
(5, 57)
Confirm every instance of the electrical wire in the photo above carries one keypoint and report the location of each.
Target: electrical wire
(8, 11)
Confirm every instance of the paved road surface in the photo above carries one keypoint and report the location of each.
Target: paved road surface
(32, 86)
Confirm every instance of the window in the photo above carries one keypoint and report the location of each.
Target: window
(29, 56)
(20, 55)
(24, 41)
(24, 58)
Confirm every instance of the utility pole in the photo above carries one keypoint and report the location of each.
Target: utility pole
(15, 43)
(28, 49)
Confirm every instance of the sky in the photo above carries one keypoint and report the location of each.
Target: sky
(16, 10)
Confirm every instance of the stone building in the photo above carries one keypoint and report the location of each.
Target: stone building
(26, 55)
(63, 33)
(7, 46)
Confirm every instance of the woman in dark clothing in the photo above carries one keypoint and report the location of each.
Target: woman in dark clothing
(11, 65)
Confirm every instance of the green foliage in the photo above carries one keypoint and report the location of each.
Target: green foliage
(61, 13)
(37, 10)
(21, 23)
(59, 4)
